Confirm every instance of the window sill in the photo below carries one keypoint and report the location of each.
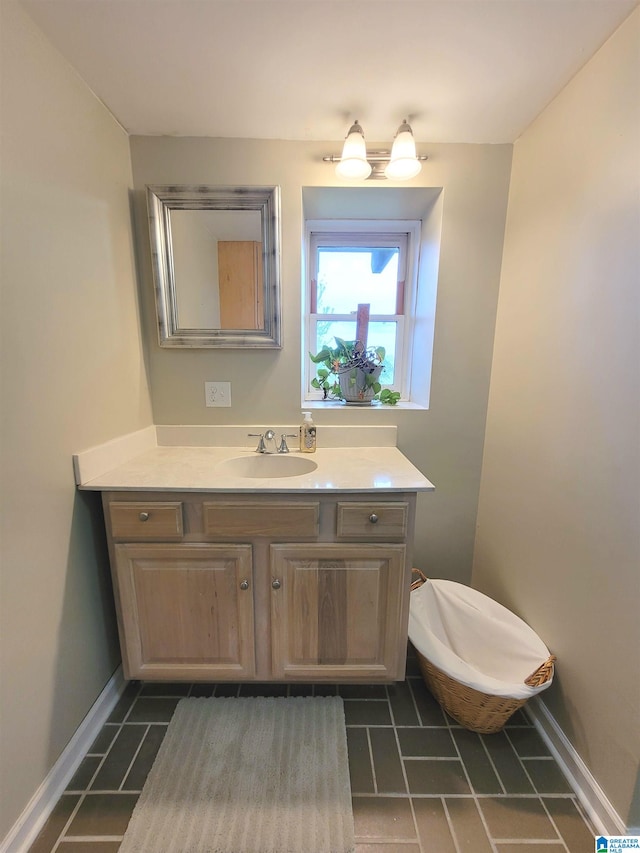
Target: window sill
(333, 405)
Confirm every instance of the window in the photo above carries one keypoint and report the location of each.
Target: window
(362, 263)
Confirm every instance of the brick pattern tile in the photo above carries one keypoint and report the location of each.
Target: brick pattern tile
(419, 781)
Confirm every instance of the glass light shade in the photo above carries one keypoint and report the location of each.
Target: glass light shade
(353, 164)
(403, 164)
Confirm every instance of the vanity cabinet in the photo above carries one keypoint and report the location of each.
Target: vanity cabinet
(269, 587)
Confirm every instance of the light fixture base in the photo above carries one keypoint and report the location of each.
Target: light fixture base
(378, 161)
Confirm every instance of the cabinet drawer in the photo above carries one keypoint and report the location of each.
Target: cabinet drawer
(146, 520)
(372, 520)
(275, 519)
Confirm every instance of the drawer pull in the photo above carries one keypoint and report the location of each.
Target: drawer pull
(244, 584)
(373, 518)
(144, 516)
(276, 584)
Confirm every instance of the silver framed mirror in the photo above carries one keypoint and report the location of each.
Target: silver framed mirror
(215, 254)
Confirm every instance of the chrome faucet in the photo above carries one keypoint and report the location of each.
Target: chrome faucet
(270, 436)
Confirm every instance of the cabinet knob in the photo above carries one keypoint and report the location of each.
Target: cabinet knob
(244, 584)
(276, 584)
(144, 516)
(373, 518)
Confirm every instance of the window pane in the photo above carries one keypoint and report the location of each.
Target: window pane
(384, 335)
(380, 335)
(326, 331)
(348, 276)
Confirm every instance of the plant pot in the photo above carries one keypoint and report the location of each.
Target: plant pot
(357, 385)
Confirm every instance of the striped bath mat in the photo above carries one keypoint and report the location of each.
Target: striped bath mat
(245, 775)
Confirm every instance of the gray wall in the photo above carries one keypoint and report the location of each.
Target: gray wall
(72, 377)
(445, 442)
(558, 524)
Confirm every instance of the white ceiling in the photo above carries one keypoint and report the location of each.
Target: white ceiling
(461, 70)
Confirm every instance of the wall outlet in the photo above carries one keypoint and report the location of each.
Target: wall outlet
(217, 393)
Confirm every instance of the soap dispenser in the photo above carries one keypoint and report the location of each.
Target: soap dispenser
(308, 434)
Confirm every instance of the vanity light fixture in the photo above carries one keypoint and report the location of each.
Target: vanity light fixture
(353, 164)
(356, 164)
(404, 163)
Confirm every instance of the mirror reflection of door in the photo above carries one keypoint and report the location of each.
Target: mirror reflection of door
(218, 268)
(240, 284)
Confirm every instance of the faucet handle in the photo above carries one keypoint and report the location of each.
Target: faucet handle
(260, 448)
(282, 447)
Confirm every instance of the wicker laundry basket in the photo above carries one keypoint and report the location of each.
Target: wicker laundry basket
(477, 711)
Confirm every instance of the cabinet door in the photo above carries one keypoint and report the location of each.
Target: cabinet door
(336, 611)
(186, 611)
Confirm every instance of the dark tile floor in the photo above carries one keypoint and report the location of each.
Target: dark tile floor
(420, 783)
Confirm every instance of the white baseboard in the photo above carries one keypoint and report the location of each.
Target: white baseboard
(593, 799)
(25, 830)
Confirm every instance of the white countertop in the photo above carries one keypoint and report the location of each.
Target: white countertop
(195, 469)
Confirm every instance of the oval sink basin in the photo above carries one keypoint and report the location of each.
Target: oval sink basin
(268, 466)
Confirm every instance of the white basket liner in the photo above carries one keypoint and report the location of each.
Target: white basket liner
(475, 640)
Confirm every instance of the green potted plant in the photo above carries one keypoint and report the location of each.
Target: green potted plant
(351, 372)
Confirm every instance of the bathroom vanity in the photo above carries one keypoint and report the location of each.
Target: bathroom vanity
(220, 575)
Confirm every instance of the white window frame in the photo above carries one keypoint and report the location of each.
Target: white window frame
(372, 232)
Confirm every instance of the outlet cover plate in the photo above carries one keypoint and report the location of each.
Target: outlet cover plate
(217, 393)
